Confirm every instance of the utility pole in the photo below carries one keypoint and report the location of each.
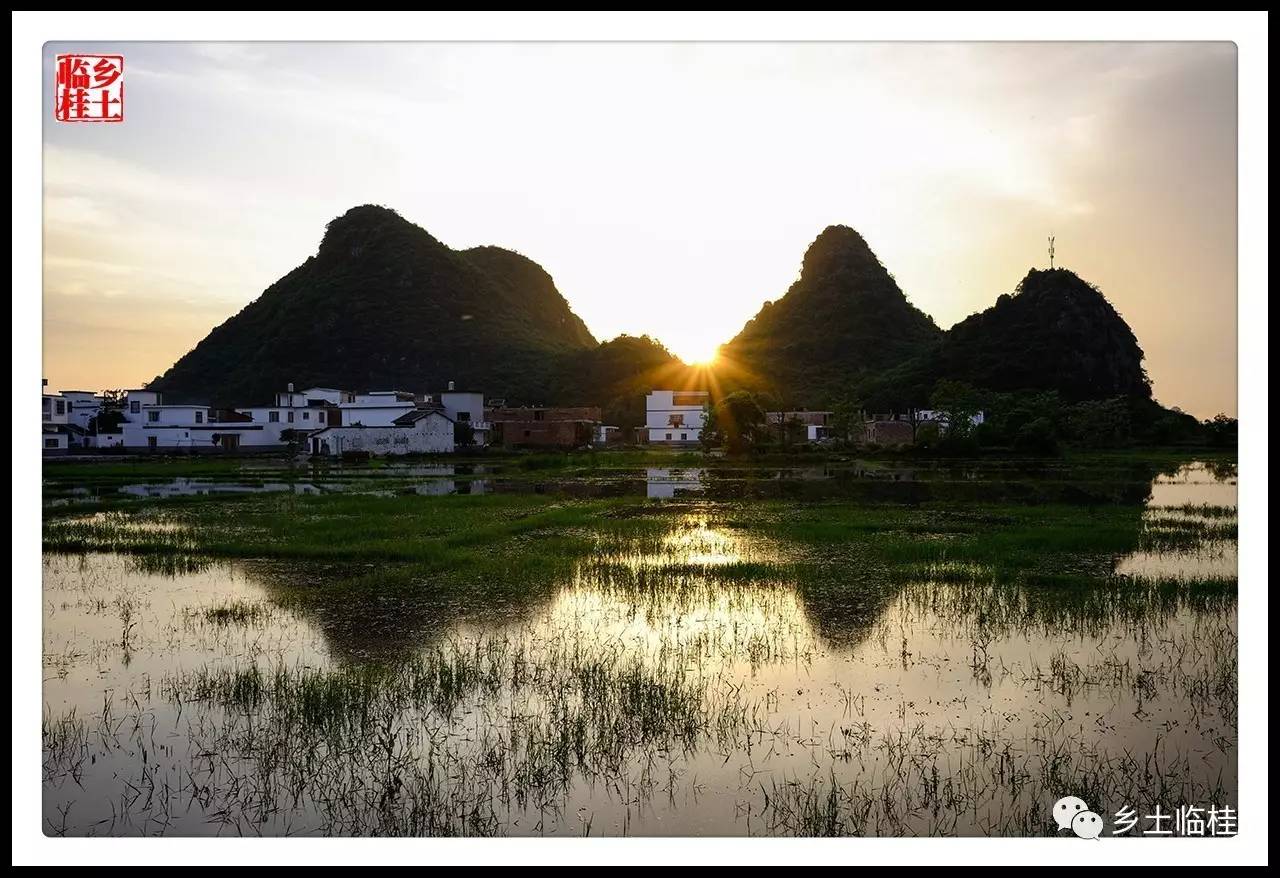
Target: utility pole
(1051, 252)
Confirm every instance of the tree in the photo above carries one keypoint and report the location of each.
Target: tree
(463, 435)
(1223, 431)
(106, 421)
(846, 419)
(293, 439)
(926, 436)
(1100, 423)
(958, 403)
(913, 418)
(709, 438)
(110, 414)
(1008, 413)
(794, 432)
(1036, 437)
(737, 422)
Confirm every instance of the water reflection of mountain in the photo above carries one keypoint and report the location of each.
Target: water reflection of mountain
(844, 609)
(838, 611)
(369, 623)
(842, 595)
(384, 625)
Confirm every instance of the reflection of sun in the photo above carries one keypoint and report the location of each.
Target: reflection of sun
(691, 542)
(670, 600)
(696, 543)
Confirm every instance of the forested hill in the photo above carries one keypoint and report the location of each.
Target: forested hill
(842, 321)
(383, 304)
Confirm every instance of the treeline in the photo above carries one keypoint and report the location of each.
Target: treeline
(1038, 423)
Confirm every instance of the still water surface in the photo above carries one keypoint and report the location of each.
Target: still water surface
(650, 693)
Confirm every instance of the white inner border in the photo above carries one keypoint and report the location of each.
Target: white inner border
(1247, 29)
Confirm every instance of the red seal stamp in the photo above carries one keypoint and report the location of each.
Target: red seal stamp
(89, 88)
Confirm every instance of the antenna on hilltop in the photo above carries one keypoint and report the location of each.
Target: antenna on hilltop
(1051, 252)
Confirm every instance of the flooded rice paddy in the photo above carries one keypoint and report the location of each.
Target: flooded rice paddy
(711, 673)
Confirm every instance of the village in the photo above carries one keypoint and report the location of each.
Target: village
(328, 422)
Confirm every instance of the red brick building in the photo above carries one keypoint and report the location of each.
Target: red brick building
(543, 427)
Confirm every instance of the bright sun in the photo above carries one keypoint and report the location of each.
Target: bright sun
(701, 356)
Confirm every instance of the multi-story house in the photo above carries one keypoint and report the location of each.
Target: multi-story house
(675, 417)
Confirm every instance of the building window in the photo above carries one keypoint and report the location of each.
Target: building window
(60, 407)
(153, 417)
(290, 417)
(199, 417)
(668, 437)
(320, 417)
(464, 416)
(273, 417)
(306, 416)
(151, 441)
(51, 443)
(684, 436)
(134, 407)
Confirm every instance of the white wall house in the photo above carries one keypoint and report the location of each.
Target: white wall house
(66, 418)
(675, 417)
(467, 407)
(101, 440)
(299, 412)
(157, 427)
(54, 409)
(381, 422)
(135, 399)
(376, 408)
(84, 405)
(55, 414)
(273, 421)
(422, 431)
(291, 398)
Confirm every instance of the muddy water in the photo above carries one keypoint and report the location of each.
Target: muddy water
(653, 692)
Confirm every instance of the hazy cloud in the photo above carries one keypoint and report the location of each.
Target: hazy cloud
(669, 189)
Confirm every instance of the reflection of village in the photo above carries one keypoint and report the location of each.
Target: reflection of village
(666, 484)
(672, 483)
(868, 480)
(435, 481)
(660, 484)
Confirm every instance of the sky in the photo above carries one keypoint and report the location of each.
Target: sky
(669, 189)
